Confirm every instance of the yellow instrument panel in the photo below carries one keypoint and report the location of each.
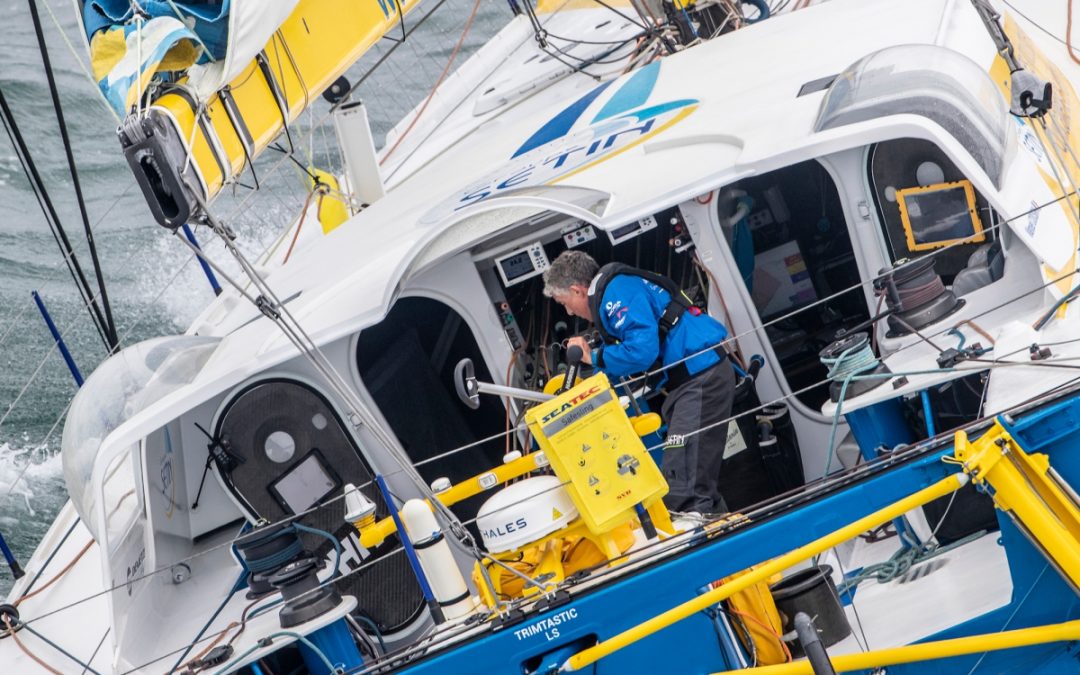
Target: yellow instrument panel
(593, 448)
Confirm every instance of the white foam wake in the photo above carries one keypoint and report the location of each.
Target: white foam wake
(27, 474)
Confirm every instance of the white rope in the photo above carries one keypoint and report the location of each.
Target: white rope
(82, 65)
(139, 59)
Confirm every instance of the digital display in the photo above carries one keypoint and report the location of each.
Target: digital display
(305, 484)
(517, 265)
(620, 232)
(939, 215)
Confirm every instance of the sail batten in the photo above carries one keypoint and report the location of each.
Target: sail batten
(225, 78)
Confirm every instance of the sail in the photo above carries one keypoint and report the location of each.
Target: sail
(207, 86)
(169, 38)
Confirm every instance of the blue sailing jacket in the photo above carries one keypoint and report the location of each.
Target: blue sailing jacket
(630, 311)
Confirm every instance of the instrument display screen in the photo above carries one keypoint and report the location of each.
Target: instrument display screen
(305, 484)
(621, 232)
(938, 215)
(522, 264)
(630, 230)
(517, 266)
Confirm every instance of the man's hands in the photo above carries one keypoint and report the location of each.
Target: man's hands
(586, 350)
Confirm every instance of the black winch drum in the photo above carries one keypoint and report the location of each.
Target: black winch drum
(811, 591)
(852, 343)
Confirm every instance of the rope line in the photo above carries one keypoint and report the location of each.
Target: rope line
(435, 87)
(14, 636)
(110, 324)
(396, 551)
(516, 430)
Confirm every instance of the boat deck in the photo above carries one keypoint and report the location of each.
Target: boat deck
(946, 590)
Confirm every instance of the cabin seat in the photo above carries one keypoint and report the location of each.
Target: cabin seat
(985, 266)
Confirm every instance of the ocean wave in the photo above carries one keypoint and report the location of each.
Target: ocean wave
(27, 477)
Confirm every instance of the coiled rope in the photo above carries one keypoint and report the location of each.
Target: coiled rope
(913, 297)
(855, 359)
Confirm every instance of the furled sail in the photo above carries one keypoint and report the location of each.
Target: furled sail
(208, 40)
(205, 86)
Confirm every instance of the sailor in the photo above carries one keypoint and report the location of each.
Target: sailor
(646, 321)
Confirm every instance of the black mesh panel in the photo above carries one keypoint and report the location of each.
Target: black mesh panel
(387, 590)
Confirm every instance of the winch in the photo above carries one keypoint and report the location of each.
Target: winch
(915, 296)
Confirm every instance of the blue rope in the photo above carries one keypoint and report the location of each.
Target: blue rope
(854, 360)
(330, 667)
(958, 334)
(763, 10)
(851, 363)
(331, 538)
(280, 558)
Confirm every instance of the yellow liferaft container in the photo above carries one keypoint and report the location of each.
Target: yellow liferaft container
(761, 626)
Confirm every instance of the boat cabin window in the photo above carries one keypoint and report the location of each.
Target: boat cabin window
(925, 204)
(538, 327)
(407, 364)
(789, 238)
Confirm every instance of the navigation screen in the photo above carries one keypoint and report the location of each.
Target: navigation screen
(937, 217)
(517, 266)
(305, 485)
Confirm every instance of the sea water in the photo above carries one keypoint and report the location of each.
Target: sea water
(153, 285)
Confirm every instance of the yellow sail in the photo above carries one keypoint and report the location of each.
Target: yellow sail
(225, 132)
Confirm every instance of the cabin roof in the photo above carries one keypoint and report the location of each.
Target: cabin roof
(726, 108)
(746, 86)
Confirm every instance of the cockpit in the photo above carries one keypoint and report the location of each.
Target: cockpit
(790, 255)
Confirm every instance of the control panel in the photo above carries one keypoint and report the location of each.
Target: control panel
(510, 326)
(579, 236)
(592, 447)
(631, 230)
(521, 264)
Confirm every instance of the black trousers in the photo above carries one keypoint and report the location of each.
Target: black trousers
(691, 462)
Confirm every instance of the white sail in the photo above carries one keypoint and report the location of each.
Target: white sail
(251, 23)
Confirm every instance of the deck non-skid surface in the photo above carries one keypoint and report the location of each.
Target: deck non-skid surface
(944, 591)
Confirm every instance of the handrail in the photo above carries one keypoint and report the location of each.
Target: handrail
(973, 644)
(589, 656)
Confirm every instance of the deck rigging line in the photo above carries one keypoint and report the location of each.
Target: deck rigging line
(501, 434)
(365, 566)
(756, 409)
(51, 217)
(109, 325)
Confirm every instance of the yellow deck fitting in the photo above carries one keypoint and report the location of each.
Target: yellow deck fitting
(374, 534)
(1025, 487)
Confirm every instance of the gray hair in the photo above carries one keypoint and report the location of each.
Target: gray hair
(568, 269)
